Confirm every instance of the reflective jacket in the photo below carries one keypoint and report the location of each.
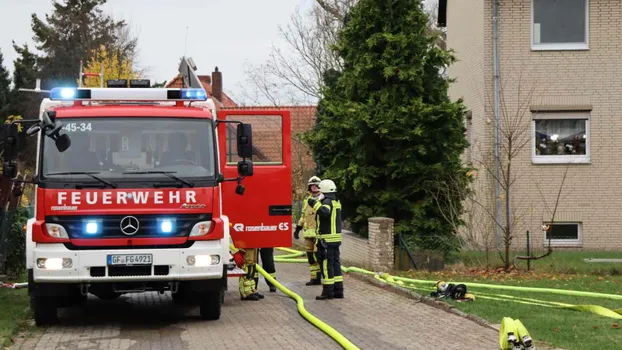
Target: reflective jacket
(328, 218)
(307, 218)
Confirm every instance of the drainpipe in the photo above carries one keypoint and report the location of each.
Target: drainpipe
(495, 55)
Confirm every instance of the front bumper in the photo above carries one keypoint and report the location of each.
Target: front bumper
(90, 266)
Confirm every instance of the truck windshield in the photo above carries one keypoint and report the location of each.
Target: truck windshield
(111, 147)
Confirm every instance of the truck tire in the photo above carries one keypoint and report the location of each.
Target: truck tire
(211, 305)
(44, 310)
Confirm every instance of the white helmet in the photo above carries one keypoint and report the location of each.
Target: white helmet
(314, 180)
(441, 286)
(328, 186)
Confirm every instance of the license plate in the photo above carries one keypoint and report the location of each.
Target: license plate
(130, 259)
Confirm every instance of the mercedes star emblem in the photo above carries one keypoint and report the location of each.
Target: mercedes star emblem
(129, 225)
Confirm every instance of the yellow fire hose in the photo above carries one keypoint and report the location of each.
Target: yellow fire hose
(402, 282)
(330, 331)
(343, 341)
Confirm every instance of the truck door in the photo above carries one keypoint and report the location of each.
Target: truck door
(262, 217)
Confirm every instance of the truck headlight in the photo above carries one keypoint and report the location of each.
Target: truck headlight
(54, 263)
(201, 229)
(56, 231)
(203, 260)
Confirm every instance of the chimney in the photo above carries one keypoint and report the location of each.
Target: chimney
(217, 84)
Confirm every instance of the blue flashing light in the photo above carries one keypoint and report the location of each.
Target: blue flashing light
(69, 94)
(166, 225)
(92, 227)
(193, 94)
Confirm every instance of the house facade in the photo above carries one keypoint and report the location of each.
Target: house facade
(558, 99)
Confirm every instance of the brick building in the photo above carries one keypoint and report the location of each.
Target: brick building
(266, 130)
(559, 83)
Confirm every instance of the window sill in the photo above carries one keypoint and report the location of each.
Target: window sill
(560, 160)
(565, 243)
(560, 47)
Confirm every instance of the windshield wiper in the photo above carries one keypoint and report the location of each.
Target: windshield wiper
(167, 173)
(92, 174)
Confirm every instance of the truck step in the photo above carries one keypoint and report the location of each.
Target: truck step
(235, 272)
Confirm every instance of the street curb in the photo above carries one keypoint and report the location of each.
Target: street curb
(423, 299)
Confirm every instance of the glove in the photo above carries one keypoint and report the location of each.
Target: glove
(297, 232)
(238, 257)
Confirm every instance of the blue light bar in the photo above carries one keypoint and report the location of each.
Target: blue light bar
(127, 94)
(70, 94)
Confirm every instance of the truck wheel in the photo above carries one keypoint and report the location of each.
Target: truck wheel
(44, 309)
(211, 305)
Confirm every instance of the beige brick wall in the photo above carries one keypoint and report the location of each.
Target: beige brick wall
(592, 193)
(354, 250)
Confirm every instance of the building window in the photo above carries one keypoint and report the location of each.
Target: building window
(560, 25)
(561, 138)
(563, 234)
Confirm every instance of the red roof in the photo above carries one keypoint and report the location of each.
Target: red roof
(206, 80)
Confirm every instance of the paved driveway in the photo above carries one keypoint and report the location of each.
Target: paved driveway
(370, 317)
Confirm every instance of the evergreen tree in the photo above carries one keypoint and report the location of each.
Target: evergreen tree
(386, 131)
(5, 90)
(74, 31)
(25, 105)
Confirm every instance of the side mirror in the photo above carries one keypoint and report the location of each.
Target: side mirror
(245, 168)
(62, 142)
(245, 141)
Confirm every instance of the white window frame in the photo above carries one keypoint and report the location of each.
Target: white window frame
(562, 159)
(578, 242)
(562, 46)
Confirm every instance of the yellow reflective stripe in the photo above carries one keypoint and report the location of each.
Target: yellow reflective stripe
(331, 236)
(317, 205)
(301, 222)
(338, 278)
(328, 281)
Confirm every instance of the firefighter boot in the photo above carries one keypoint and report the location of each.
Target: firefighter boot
(315, 281)
(338, 290)
(327, 292)
(251, 297)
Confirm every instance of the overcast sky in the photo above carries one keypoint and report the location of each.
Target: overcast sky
(229, 34)
(223, 33)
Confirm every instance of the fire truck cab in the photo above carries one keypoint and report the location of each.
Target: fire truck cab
(138, 189)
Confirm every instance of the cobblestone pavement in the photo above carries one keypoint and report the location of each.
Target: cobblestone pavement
(369, 316)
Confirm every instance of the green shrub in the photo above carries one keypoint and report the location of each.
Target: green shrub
(16, 242)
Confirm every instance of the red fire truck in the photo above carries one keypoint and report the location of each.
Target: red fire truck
(138, 189)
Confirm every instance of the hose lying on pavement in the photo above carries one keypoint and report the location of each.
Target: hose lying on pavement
(402, 282)
(343, 341)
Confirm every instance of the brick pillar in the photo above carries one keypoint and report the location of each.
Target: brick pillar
(381, 243)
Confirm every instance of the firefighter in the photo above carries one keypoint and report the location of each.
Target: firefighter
(246, 259)
(267, 262)
(307, 224)
(328, 213)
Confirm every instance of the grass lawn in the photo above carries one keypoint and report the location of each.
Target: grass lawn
(558, 262)
(14, 309)
(558, 327)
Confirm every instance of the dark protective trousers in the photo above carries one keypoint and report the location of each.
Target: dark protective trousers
(330, 264)
(267, 263)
